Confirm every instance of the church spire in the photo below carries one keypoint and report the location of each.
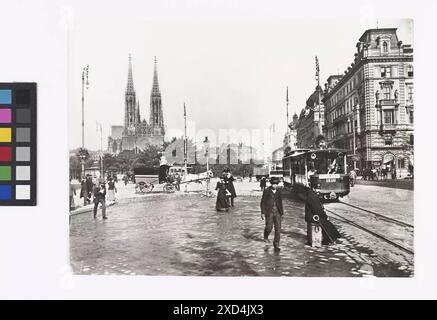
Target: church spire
(155, 88)
(138, 112)
(130, 80)
(156, 115)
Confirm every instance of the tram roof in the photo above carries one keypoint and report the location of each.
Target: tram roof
(299, 152)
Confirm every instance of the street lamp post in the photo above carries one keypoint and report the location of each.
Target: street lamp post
(86, 83)
(185, 147)
(82, 162)
(206, 145)
(354, 142)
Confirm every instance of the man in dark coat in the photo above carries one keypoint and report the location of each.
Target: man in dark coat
(313, 208)
(272, 210)
(263, 183)
(229, 181)
(100, 197)
(89, 188)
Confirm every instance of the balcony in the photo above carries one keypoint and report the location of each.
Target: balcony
(388, 102)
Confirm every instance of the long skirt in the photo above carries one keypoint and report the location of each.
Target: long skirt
(329, 232)
(222, 202)
(111, 195)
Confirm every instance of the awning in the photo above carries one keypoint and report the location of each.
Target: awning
(388, 158)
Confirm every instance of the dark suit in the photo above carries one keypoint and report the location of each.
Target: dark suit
(229, 181)
(272, 209)
(100, 197)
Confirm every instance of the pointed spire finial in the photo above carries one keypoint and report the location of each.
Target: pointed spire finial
(130, 80)
(155, 88)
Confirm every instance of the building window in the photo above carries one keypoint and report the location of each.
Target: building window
(386, 93)
(389, 116)
(385, 72)
(410, 92)
(411, 114)
(388, 140)
(410, 71)
(384, 47)
(401, 163)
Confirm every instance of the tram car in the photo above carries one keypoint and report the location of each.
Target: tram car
(322, 169)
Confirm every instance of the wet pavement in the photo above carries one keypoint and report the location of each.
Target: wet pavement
(182, 234)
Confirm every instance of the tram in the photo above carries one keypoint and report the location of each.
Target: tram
(322, 169)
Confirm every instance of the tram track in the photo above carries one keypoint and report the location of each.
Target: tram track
(361, 227)
(379, 215)
(373, 233)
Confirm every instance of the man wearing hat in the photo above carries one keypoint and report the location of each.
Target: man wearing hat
(100, 197)
(272, 210)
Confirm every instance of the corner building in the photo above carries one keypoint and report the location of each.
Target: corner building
(371, 105)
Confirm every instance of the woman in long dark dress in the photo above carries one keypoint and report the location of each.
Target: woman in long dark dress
(313, 206)
(222, 201)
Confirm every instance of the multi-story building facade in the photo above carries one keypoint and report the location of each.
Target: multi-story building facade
(370, 107)
(290, 137)
(309, 126)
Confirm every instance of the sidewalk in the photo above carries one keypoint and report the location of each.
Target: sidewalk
(389, 183)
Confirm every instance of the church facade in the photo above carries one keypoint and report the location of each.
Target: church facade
(136, 134)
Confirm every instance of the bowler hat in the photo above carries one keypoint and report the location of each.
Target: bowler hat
(274, 180)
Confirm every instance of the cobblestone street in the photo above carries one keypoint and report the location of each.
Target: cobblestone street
(182, 234)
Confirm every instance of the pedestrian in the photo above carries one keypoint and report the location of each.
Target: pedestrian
(315, 213)
(272, 211)
(112, 189)
(250, 177)
(263, 183)
(89, 188)
(229, 181)
(72, 194)
(178, 181)
(100, 197)
(83, 191)
(222, 199)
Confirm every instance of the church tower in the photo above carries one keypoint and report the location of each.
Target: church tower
(156, 120)
(130, 111)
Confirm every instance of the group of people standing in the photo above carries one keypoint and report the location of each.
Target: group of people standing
(95, 190)
(225, 191)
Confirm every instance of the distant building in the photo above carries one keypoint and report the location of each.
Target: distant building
(136, 134)
(309, 125)
(277, 156)
(373, 103)
(290, 137)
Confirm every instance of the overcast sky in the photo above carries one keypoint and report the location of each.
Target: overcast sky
(231, 72)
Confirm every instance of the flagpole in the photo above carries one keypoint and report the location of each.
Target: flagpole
(287, 111)
(318, 93)
(185, 146)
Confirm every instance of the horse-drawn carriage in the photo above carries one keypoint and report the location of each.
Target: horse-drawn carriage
(147, 177)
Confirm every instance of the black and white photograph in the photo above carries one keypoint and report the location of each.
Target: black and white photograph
(229, 148)
(217, 154)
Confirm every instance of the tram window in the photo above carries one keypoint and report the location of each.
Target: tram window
(328, 163)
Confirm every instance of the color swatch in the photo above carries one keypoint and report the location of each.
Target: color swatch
(18, 144)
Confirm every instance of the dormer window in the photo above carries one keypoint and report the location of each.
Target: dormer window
(384, 47)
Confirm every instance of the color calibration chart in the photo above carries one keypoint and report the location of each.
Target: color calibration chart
(18, 144)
